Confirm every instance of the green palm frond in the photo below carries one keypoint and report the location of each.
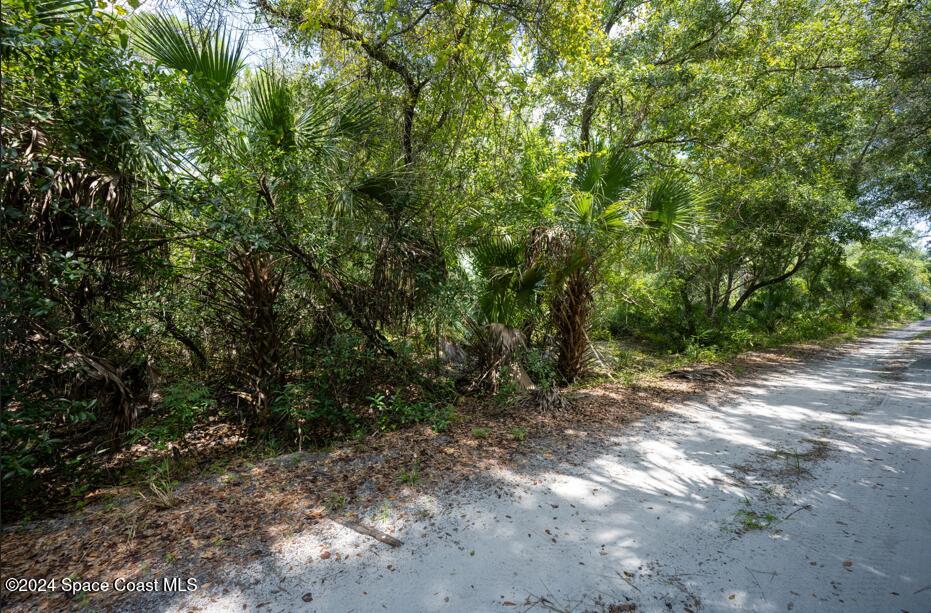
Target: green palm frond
(54, 11)
(271, 110)
(239, 146)
(509, 288)
(588, 213)
(314, 126)
(614, 216)
(331, 116)
(602, 182)
(388, 192)
(342, 203)
(212, 58)
(607, 173)
(493, 252)
(390, 189)
(528, 284)
(327, 120)
(356, 118)
(581, 208)
(671, 210)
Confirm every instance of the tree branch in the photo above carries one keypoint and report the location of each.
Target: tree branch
(767, 282)
(378, 53)
(701, 43)
(411, 84)
(589, 105)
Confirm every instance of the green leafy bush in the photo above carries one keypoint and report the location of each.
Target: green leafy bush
(181, 405)
(394, 413)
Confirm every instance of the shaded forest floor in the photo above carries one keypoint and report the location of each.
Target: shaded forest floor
(234, 513)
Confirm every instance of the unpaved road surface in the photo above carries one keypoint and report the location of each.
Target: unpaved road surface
(808, 489)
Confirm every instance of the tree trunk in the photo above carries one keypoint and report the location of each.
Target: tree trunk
(753, 287)
(571, 310)
(335, 291)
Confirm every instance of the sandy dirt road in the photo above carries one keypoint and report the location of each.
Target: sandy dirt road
(808, 489)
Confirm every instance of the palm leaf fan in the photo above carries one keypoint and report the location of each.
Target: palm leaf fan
(212, 58)
(672, 210)
(607, 173)
(270, 110)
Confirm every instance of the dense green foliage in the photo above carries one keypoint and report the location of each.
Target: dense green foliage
(449, 197)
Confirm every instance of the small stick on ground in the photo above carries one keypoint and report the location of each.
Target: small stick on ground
(802, 508)
(378, 535)
(623, 578)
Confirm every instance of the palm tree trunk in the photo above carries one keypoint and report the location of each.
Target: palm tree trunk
(571, 310)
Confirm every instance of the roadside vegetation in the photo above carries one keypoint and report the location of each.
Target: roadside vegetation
(428, 206)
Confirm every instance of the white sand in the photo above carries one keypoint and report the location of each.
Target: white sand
(658, 517)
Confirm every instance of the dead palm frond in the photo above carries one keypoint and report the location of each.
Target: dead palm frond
(493, 350)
